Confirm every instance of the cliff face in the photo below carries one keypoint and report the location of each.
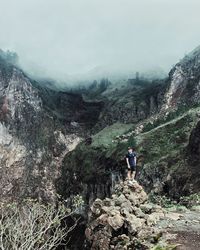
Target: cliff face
(184, 82)
(38, 127)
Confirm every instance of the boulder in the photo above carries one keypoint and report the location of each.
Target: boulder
(153, 218)
(103, 219)
(120, 200)
(108, 202)
(147, 208)
(133, 223)
(138, 212)
(96, 207)
(116, 221)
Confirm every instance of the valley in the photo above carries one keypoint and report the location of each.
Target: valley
(57, 144)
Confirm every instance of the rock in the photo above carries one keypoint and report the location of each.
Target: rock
(116, 221)
(153, 218)
(104, 209)
(138, 212)
(127, 205)
(101, 240)
(147, 208)
(96, 207)
(38, 127)
(120, 200)
(173, 216)
(157, 208)
(137, 199)
(195, 221)
(133, 223)
(107, 202)
(103, 219)
(114, 211)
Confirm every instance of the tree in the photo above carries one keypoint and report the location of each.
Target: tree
(32, 225)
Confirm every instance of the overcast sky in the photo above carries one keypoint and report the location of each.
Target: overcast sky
(72, 37)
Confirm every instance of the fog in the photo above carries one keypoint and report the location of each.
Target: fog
(70, 39)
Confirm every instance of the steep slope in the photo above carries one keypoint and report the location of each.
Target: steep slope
(38, 126)
(184, 82)
(166, 166)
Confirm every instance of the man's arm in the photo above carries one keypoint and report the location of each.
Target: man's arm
(127, 161)
(135, 159)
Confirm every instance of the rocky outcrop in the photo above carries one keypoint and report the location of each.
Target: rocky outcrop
(124, 221)
(184, 82)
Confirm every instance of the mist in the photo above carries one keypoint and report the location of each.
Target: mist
(74, 39)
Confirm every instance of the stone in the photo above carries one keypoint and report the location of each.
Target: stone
(127, 205)
(107, 202)
(133, 223)
(102, 219)
(153, 218)
(147, 207)
(116, 221)
(173, 216)
(138, 212)
(96, 207)
(157, 208)
(120, 200)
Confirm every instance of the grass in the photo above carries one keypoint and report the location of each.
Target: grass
(167, 139)
(106, 136)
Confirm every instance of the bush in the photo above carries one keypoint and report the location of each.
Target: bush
(191, 200)
(32, 225)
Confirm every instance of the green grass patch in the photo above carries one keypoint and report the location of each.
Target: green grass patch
(106, 136)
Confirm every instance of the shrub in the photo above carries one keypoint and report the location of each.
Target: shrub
(32, 225)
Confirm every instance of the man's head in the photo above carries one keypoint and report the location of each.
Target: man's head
(130, 149)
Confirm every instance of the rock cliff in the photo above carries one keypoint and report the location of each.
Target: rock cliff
(184, 82)
(38, 126)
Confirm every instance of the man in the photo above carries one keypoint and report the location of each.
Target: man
(131, 160)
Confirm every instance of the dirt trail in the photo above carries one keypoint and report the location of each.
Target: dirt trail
(185, 230)
(187, 240)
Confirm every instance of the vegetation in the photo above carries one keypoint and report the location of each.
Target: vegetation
(165, 247)
(32, 225)
(170, 138)
(107, 136)
(191, 200)
(172, 115)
